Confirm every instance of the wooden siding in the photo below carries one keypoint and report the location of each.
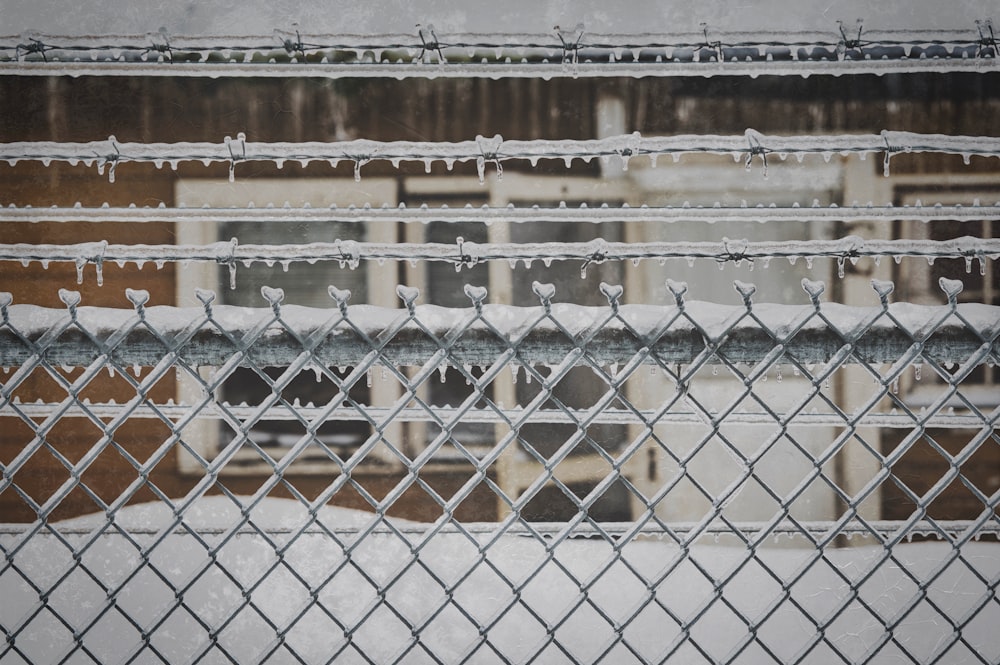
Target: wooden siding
(83, 109)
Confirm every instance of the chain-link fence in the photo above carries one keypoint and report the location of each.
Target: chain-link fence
(533, 473)
(720, 489)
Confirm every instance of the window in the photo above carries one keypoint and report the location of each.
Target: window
(918, 281)
(302, 284)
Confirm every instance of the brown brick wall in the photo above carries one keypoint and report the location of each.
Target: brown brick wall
(84, 109)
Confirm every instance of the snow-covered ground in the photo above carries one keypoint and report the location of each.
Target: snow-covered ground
(581, 587)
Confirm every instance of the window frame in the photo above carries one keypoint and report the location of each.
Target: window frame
(917, 276)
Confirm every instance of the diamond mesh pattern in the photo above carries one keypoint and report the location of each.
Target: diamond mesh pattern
(746, 539)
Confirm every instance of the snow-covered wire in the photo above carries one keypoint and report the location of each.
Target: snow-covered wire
(561, 52)
(110, 153)
(508, 70)
(271, 214)
(463, 253)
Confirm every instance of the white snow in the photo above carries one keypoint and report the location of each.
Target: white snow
(955, 334)
(578, 581)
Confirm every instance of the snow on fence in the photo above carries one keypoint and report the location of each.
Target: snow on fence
(743, 441)
(496, 150)
(245, 578)
(571, 52)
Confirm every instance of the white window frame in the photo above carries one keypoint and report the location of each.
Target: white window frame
(946, 189)
(203, 434)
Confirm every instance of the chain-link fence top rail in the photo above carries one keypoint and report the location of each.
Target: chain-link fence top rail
(749, 447)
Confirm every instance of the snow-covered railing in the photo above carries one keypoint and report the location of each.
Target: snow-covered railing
(573, 52)
(482, 335)
(496, 150)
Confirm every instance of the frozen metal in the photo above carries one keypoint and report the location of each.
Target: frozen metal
(278, 213)
(549, 334)
(618, 342)
(562, 53)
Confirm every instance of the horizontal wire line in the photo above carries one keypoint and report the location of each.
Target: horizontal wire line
(506, 70)
(492, 150)
(428, 37)
(246, 412)
(486, 214)
(469, 253)
(797, 527)
(784, 527)
(498, 55)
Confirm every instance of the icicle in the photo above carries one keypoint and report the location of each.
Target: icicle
(111, 371)
(368, 377)
(317, 372)
(513, 373)
(777, 376)
(443, 371)
(840, 267)
(916, 371)
(80, 263)
(137, 370)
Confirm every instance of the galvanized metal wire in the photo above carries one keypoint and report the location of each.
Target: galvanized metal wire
(619, 343)
(278, 213)
(560, 53)
(350, 253)
(495, 150)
